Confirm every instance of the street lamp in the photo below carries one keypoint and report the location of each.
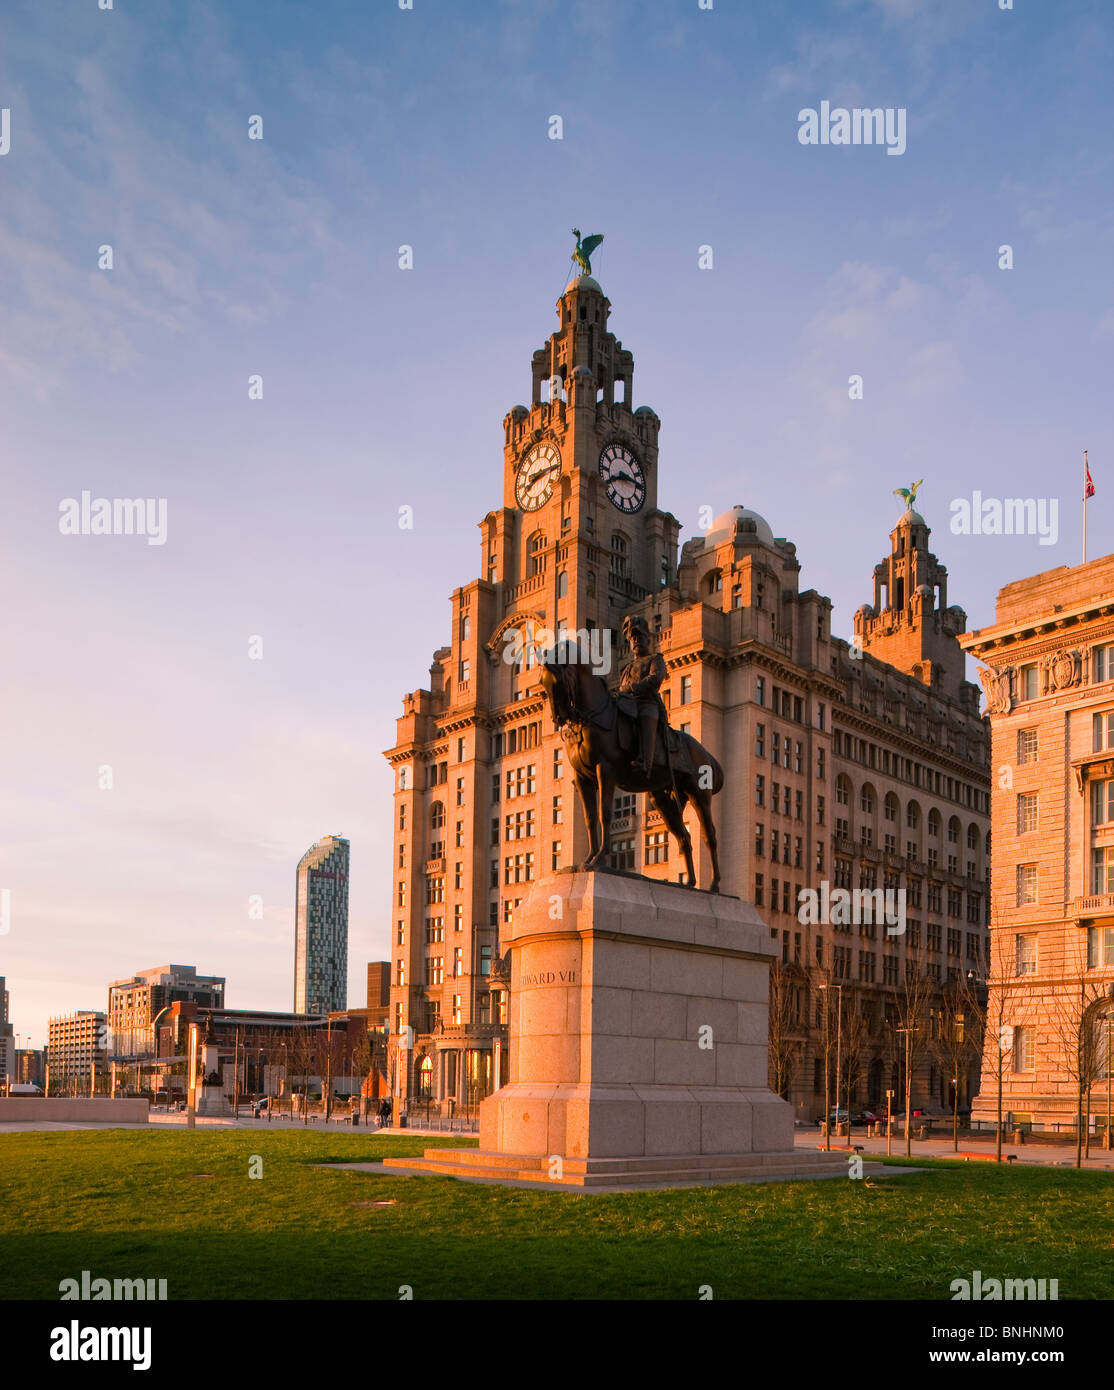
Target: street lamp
(908, 1135)
(839, 1043)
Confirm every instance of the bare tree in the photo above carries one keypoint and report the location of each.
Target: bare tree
(915, 993)
(956, 1036)
(856, 1040)
(1075, 1006)
(785, 1026)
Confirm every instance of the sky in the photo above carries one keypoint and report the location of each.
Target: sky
(180, 721)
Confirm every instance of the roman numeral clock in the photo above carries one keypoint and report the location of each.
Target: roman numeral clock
(623, 478)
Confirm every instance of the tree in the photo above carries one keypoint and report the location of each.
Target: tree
(786, 1033)
(956, 1036)
(1076, 1008)
(914, 994)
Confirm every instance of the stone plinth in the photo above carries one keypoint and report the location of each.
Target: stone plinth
(638, 1042)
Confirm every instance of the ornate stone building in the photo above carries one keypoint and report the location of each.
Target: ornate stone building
(864, 763)
(1049, 680)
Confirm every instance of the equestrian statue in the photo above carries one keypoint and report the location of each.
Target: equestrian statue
(626, 743)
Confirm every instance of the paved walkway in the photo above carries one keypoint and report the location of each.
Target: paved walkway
(1043, 1155)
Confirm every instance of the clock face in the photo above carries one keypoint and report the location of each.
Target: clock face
(536, 473)
(623, 477)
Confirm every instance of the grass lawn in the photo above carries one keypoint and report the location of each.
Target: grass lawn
(178, 1205)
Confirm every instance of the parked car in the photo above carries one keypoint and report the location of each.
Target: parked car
(869, 1117)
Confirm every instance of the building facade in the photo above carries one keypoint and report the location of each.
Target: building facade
(1049, 679)
(7, 1037)
(321, 927)
(135, 1003)
(77, 1050)
(862, 763)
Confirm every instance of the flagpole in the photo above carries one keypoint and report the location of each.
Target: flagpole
(1086, 475)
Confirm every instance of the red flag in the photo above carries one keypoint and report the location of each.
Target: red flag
(1090, 489)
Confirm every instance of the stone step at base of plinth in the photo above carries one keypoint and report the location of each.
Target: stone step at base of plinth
(671, 1170)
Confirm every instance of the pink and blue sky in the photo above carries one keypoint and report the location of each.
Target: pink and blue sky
(279, 257)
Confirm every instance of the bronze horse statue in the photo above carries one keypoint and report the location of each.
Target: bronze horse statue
(602, 742)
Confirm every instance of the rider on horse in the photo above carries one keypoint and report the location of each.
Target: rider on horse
(641, 680)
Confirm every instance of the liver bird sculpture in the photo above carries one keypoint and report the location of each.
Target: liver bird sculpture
(909, 494)
(584, 250)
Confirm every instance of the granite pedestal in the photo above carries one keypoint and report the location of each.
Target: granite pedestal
(638, 1044)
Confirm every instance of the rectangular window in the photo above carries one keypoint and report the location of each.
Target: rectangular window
(1026, 812)
(556, 763)
(1023, 1049)
(820, 764)
(556, 810)
(760, 690)
(457, 1013)
(758, 890)
(1102, 870)
(400, 935)
(759, 840)
(1102, 802)
(458, 962)
(458, 917)
(686, 689)
(1025, 954)
(555, 855)
(760, 740)
(760, 791)
(485, 960)
(657, 847)
(1027, 884)
(1026, 745)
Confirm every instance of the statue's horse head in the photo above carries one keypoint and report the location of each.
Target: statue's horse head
(567, 679)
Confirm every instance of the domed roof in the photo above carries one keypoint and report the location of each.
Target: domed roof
(738, 520)
(911, 518)
(646, 410)
(583, 282)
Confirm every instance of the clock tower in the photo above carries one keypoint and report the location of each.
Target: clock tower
(580, 537)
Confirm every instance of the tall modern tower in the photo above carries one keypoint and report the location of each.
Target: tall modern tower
(321, 928)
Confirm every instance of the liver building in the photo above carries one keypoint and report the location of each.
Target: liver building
(861, 764)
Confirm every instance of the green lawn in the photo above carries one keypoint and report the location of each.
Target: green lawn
(178, 1205)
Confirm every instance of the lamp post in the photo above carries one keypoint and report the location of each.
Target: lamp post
(191, 1077)
(827, 1048)
(827, 1084)
(1106, 1136)
(908, 1135)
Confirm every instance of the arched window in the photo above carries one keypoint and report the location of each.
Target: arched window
(866, 800)
(972, 836)
(934, 824)
(436, 816)
(843, 791)
(912, 816)
(535, 553)
(425, 1077)
(562, 583)
(620, 554)
(891, 807)
(953, 830)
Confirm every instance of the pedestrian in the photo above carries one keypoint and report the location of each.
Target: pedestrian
(382, 1113)
(387, 1103)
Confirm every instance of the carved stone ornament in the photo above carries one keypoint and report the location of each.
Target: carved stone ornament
(996, 685)
(1065, 668)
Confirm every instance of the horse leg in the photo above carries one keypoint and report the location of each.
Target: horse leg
(703, 804)
(672, 810)
(589, 801)
(606, 780)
